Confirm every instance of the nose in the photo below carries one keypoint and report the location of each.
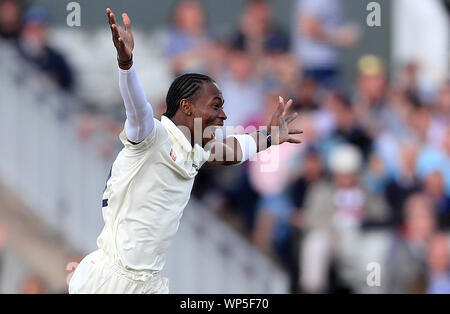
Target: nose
(222, 115)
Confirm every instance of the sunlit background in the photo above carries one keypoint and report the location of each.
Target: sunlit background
(361, 206)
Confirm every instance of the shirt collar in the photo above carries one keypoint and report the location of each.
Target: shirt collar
(176, 134)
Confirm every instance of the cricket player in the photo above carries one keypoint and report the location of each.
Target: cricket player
(152, 177)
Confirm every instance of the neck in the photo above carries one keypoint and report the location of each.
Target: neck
(185, 127)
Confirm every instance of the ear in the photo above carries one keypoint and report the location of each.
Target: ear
(186, 107)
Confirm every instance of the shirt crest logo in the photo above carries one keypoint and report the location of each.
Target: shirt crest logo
(172, 154)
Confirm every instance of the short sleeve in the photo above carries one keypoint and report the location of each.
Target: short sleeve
(156, 135)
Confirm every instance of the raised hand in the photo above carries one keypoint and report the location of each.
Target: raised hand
(279, 124)
(122, 38)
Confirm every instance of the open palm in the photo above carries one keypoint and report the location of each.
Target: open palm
(122, 38)
(279, 124)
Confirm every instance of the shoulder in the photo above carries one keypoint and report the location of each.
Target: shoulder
(157, 137)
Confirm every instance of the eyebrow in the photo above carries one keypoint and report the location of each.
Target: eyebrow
(219, 98)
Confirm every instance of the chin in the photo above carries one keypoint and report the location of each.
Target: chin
(208, 140)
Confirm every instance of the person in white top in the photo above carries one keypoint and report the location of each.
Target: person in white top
(152, 177)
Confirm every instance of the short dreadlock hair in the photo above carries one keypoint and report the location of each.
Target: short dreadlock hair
(184, 87)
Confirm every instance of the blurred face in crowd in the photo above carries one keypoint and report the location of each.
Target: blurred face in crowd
(408, 157)
(344, 116)
(241, 65)
(419, 218)
(409, 76)
(9, 15)
(443, 100)
(306, 93)
(434, 184)
(312, 167)
(343, 112)
(260, 11)
(284, 67)
(372, 86)
(446, 141)
(438, 254)
(345, 180)
(419, 120)
(35, 33)
(256, 19)
(190, 17)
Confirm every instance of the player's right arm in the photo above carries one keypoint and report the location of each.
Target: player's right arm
(139, 123)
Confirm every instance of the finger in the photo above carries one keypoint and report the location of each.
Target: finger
(112, 18)
(295, 131)
(291, 118)
(287, 106)
(108, 13)
(126, 21)
(280, 107)
(294, 140)
(115, 32)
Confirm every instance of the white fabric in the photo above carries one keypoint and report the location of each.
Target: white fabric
(98, 274)
(248, 146)
(316, 253)
(149, 187)
(421, 33)
(139, 123)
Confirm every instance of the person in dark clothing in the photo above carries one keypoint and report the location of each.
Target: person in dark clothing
(312, 172)
(348, 129)
(405, 183)
(33, 47)
(257, 32)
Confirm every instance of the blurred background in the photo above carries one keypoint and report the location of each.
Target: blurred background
(369, 184)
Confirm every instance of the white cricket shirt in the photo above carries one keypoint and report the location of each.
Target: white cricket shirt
(145, 196)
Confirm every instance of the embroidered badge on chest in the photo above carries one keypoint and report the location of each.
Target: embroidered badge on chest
(172, 155)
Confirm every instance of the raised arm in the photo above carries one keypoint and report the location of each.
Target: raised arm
(237, 149)
(139, 112)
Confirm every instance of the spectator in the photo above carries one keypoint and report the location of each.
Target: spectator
(440, 119)
(257, 33)
(408, 80)
(438, 265)
(431, 159)
(34, 47)
(312, 171)
(241, 88)
(187, 42)
(370, 101)
(10, 24)
(318, 35)
(404, 183)
(434, 188)
(306, 96)
(406, 261)
(334, 216)
(348, 129)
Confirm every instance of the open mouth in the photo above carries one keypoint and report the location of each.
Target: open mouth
(214, 129)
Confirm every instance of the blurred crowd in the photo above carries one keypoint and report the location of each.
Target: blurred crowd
(369, 183)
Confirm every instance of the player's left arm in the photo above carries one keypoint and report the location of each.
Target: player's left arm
(237, 149)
